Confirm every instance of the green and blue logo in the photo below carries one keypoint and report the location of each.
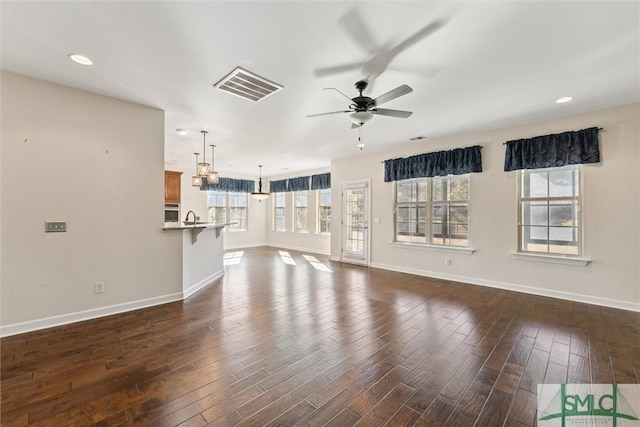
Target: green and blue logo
(615, 405)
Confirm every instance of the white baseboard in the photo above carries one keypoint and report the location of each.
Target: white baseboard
(248, 245)
(299, 249)
(94, 313)
(588, 299)
(201, 284)
(79, 316)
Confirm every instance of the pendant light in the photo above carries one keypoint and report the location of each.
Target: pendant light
(196, 180)
(213, 177)
(203, 168)
(259, 195)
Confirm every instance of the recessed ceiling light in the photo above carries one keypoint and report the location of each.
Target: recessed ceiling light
(182, 132)
(80, 59)
(564, 99)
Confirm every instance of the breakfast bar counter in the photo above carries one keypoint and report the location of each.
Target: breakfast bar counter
(202, 252)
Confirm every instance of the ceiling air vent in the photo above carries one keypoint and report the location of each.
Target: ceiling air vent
(247, 85)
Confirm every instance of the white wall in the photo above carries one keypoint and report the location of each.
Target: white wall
(311, 241)
(611, 201)
(97, 163)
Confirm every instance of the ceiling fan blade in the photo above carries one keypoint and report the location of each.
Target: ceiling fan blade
(325, 71)
(332, 112)
(353, 24)
(333, 88)
(392, 113)
(417, 36)
(393, 94)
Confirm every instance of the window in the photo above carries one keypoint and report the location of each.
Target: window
(549, 211)
(300, 211)
(238, 210)
(228, 207)
(278, 212)
(217, 206)
(324, 211)
(433, 211)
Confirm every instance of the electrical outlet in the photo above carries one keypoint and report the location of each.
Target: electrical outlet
(99, 287)
(447, 261)
(55, 226)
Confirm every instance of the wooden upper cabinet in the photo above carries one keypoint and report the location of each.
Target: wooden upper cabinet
(172, 186)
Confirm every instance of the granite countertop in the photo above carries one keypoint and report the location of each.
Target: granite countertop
(191, 226)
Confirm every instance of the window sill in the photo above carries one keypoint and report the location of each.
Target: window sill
(552, 259)
(436, 248)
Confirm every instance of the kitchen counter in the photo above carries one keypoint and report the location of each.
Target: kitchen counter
(177, 226)
(201, 251)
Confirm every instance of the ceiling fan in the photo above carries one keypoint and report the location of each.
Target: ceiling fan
(362, 108)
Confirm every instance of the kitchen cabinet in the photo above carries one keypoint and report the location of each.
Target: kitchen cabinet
(172, 186)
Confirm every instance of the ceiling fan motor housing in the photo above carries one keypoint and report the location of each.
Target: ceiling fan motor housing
(362, 103)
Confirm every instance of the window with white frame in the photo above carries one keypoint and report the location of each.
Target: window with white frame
(549, 211)
(300, 211)
(228, 207)
(279, 212)
(237, 208)
(433, 211)
(324, 211)
(217, 206)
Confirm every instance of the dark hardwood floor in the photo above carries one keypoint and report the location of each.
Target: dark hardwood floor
(272, 343)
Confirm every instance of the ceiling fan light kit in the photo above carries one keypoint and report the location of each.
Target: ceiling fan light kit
(361, 117)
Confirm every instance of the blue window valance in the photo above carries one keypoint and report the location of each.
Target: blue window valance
(440, 163)
(568, 148)
(232, 185)
(300, 183)
(321, 181)
(279, 186)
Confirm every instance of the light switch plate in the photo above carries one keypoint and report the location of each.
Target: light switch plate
(55, 226)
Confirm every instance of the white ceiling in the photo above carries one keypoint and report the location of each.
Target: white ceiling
(492, 64)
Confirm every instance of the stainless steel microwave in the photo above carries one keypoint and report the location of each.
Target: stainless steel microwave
(171, 212)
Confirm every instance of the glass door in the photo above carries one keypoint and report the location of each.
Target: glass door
(355, 223)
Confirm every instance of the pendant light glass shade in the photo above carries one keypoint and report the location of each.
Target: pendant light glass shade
(203, 168)
(213, 177)
(196, 180)
(259, 195)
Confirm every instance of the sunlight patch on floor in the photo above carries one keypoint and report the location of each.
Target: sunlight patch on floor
(316, 264)
(233, 258)
(286, 258)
